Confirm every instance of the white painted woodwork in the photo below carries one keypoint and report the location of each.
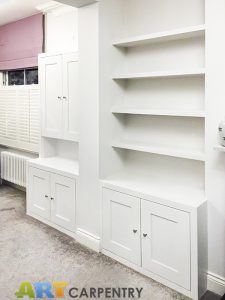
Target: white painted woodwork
(50, 70)
(78, 3)
(59, 94)
(166, 250)
(52, 193)
(61, 165)
(161, 74)
(39, 189)
(162, 150)
(63, 195)
(152, 124)
(70, 96)
(121, 225)
(176, 34)
(175, 113)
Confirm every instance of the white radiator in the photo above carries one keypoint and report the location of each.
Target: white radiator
(13, 167)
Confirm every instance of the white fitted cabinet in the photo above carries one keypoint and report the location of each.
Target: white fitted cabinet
(52, 197)
(159, 238)
(59, 95)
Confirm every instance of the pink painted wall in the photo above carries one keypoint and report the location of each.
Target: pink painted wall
(21, 42)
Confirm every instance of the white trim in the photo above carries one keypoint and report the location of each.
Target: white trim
(216, 284)
(54, 7)
(88, 239)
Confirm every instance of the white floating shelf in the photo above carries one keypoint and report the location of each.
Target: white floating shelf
(162, 150)
(219, 148)
(177, 34)
(154, 112)
(161, 74)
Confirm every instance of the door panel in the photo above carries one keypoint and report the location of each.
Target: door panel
(39, 185)
(121, 225)
(70, 94)
(51, 96)
(63, 196)
(166, 242)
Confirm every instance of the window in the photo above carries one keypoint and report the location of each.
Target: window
(31, 76)
(21, 77)
(16, 77)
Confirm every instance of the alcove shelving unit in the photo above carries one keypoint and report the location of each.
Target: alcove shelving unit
(127, 111)
(152, 130)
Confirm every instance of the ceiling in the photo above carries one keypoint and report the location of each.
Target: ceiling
(12, 10)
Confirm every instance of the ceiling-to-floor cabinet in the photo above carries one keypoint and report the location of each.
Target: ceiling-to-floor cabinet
(59, 94)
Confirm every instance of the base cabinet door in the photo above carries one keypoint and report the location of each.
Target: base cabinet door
(63, 199)
(121, 225)
(39, 191)
(166, 242)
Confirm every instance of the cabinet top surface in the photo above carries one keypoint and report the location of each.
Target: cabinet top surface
(174, 196)
(67, 167)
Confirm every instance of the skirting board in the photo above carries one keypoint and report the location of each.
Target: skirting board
(87, 239)
(216, 284)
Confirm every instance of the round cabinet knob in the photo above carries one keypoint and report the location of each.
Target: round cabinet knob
(52, 198)
(134, 231)
(144, 234)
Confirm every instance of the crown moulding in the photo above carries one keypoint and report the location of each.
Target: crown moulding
(77, 3)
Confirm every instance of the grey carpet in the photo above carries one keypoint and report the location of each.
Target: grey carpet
(31, 251)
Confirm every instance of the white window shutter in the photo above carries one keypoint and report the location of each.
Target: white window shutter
(23, 115)
(35, 116)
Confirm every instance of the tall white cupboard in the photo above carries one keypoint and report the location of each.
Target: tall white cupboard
(53, 177)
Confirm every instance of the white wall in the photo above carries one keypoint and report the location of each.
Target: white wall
(215, 166)
(61, 29)
(88, 203)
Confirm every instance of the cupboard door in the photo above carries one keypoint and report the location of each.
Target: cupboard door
(166, 242)
(63, 197)
(121, 225)
(70, 96)
(50, 70)
(39, 192)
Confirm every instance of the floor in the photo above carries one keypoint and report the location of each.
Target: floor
(31, 251)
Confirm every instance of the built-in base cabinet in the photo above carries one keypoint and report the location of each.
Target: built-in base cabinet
(158, 239)
(52, 197)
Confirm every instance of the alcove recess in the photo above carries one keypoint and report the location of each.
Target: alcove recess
(60, 154)
(152, 112)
